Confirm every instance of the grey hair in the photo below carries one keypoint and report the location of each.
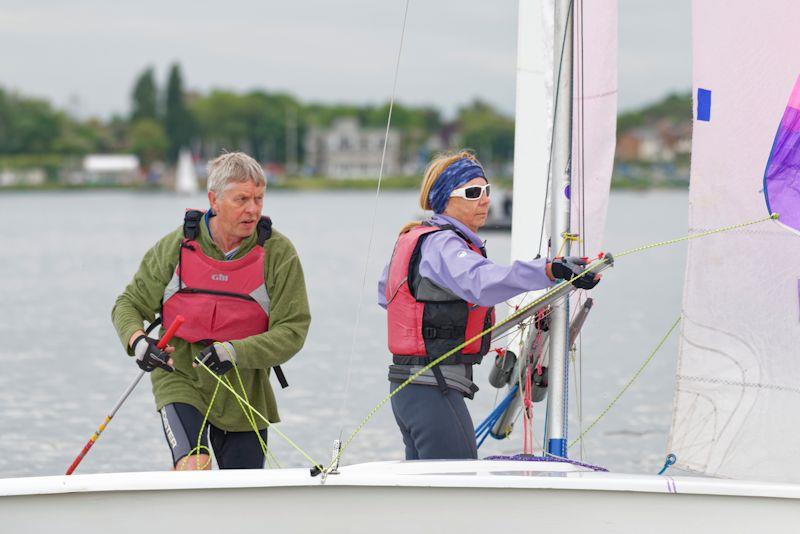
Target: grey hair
(233, 167)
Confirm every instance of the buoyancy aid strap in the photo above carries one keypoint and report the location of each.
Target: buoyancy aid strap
(264, 231)
(191, 224)
(440, 381)
(281, 377)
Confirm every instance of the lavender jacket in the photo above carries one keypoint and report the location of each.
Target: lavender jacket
(448, 262)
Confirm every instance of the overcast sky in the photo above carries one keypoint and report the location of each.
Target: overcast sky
(85, 54)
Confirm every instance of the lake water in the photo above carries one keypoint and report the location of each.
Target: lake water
(67, 255)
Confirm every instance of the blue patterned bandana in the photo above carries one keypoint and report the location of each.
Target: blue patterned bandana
(452, 177)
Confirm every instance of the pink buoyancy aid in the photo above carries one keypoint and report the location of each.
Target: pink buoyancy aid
(423, 327)
(220, 300)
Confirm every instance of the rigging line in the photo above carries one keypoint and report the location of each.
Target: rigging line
(630, 382)
(346, 392)
(553, 132)
(582, 130)
(259, 414)
(773, 216)
(578, 354)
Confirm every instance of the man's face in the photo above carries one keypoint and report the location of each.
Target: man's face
(238, 209)
(472, 213)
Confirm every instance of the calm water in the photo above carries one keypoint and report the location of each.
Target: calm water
(66, 256)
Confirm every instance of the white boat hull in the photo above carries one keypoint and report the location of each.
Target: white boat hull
(397, 497)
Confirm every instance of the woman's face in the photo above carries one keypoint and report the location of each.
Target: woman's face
(472, 213)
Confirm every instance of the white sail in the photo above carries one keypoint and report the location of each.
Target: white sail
(594, 121)
(186, 177)
(533, 122)
(738, 377)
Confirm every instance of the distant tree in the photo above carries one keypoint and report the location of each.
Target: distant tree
(255, 123)
(145, 97)
(487, 131)
(178, 122)
(148, 141)
(27, 125)
(676, 107)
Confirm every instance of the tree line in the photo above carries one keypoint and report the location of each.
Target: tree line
(268, 125)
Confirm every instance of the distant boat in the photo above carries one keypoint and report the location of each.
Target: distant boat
(186, 177)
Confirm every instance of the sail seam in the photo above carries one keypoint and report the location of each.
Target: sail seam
(719, 381)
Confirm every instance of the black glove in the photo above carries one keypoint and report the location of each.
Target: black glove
(148, 355)
(218, 357)
(567, 268)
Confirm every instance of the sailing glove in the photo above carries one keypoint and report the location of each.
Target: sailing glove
(569, 267)
(219, 357)
(148, 355)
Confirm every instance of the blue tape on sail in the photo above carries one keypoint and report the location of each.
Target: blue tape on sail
(703, 104)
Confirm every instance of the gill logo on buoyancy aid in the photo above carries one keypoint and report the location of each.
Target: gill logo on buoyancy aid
(221, 300)
(425, 320)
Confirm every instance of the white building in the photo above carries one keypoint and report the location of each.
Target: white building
(346, 150)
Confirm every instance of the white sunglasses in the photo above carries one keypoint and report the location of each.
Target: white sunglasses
(473, 192)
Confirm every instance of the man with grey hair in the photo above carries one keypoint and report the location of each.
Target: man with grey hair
(239, 284)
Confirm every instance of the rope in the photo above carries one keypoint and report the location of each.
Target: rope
(773, 216)
(485, 428)
(630, 382)
(547, 458)
(197, 450)
(259, 414)
(346, 393)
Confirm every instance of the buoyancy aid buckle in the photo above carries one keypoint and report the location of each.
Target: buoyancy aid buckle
(444, 332)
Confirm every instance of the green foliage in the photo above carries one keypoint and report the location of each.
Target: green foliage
(145, 96)
(676, 106)
(27, 125)
(148, 141)
(488, 132)
(178, 122)
(255, 122)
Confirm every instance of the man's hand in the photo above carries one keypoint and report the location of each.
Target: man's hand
(567, 268)
(219, 357)
(149, 356)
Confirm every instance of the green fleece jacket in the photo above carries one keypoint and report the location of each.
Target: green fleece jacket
(289, 319)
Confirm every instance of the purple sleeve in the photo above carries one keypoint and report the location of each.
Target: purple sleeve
(382, 287)
(449, 263)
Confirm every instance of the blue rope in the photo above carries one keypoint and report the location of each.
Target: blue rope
(485, 428)
(671, 459)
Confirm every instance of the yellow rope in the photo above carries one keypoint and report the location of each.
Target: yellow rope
(197, 450)
(630, 382)
(259, 414)
(773, 216)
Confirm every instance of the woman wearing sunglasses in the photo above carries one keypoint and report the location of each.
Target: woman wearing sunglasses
(439, 290)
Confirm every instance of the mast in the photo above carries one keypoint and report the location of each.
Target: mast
(560, 171)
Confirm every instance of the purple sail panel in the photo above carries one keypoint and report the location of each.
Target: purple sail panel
(782, 176)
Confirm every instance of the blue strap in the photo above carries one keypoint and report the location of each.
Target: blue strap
(485, 428)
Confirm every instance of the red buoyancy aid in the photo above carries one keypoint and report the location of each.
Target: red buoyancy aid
(220, 300)
(423, 327)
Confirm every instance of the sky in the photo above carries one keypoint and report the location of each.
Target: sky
(84, 55)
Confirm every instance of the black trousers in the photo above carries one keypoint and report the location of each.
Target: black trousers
(232, 450)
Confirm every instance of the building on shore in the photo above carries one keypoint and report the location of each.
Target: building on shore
(348, 150)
